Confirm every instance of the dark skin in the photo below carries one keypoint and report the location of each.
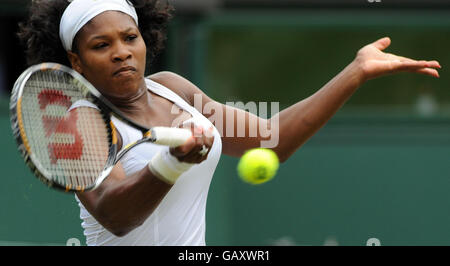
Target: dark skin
(112, 42)
(103, 50)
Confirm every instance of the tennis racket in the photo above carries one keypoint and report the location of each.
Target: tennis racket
(68, 145)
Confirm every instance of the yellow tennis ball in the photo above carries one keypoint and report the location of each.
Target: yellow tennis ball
(258, 165)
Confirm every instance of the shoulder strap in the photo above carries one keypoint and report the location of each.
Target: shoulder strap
(170, 95)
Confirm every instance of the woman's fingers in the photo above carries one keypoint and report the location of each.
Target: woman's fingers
(183, 150)
(421, 63)
(428, 71)
(382, 43)
(432, 64)
(375, 63)
(423, 67)
(190, 152)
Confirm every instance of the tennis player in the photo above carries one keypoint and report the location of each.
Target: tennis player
(157, 195)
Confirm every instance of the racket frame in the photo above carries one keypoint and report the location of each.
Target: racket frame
(107, 109)
(19, 134)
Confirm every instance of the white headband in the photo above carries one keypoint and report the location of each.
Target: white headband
(80, 12)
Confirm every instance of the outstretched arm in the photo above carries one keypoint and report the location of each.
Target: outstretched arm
(300, 121)
(297, 123)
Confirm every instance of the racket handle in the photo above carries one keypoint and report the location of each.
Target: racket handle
(170, 136)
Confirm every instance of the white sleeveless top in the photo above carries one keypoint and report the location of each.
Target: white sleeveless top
(179, 220)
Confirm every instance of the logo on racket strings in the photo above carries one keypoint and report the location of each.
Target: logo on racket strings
(66, 140)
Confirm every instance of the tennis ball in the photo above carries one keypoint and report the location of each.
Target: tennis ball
(258, 165)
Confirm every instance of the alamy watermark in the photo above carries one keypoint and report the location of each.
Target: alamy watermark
(73, 242)
(373, 242)
(241, 120)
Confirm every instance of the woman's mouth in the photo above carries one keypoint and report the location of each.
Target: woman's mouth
(127, 70)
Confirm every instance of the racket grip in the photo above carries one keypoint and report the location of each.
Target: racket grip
(170, 136)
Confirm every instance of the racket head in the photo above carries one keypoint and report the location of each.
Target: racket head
(67, 147)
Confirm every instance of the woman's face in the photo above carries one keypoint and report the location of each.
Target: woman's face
(111, 55)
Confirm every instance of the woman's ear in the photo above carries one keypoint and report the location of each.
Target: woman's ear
(75, 61)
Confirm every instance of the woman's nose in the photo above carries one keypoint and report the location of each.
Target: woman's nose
(121, 53)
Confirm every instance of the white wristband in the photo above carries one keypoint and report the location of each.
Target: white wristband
(167, 167)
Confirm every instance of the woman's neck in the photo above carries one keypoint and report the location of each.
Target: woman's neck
(132, 103)
(136, 106)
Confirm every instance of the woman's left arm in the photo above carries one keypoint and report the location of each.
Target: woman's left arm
(297, 123)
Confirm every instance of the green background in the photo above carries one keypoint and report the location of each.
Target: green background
(378, 169)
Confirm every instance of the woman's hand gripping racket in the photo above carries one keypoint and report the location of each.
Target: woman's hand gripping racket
(68, 145)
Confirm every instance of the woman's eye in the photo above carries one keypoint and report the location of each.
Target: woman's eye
(100, 45)
(131, 37)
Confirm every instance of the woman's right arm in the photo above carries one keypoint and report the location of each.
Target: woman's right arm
(122, 203)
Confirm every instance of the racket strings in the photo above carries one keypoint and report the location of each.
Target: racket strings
(68, 145)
